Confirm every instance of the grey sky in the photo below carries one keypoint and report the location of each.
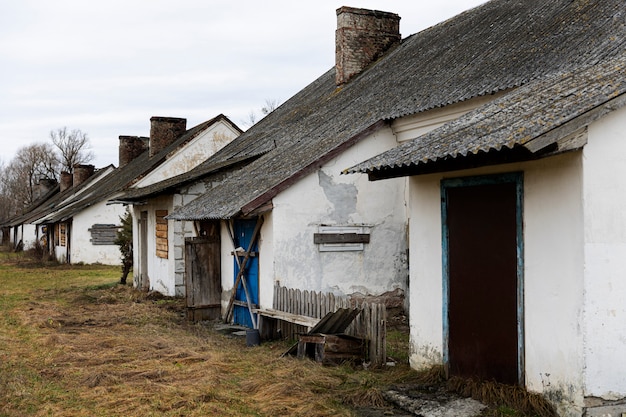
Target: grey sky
(107, 67)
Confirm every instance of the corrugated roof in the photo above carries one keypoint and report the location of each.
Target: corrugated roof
(494, 47)
(534, 116)
(56, 198)
(116, 182)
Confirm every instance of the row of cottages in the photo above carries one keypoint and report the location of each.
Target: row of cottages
(28, 231)
(17, 231)
(77, 224)
(277, 192)
(498, 134)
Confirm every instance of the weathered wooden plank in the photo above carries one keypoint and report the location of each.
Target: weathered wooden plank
(289, 317)
(341, 238)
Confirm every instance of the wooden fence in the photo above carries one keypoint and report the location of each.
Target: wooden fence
(370, 324)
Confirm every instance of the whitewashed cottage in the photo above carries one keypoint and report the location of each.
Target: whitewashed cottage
(512, 126)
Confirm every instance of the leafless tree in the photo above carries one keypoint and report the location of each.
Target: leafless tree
(7, 203)
(251, 120)
(270, 106)
(31, 164)
(72, 146)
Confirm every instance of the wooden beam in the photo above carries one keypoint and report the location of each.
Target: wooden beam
(321, 238)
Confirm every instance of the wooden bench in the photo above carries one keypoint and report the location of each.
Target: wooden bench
(268, 317)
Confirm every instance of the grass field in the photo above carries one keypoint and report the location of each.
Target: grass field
(75, 343)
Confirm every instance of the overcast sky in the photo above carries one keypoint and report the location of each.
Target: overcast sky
(106, 67)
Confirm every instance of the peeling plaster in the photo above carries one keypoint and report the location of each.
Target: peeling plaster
(343, 197)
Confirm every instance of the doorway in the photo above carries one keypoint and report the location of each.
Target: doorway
(483, 297)
(203, 273)
(243, 230)
(143, 282)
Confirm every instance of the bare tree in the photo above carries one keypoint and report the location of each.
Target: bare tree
(270, 106)
(251, 119)
(73, 147)
(7, 203)
(31, 164)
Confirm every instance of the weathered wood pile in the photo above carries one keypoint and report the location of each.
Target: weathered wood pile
(369, 324)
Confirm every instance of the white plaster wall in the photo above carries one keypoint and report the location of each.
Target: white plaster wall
(554, 280)
(605, 257)
(161, 271)
(192, 154)
(553, 274)
(411, 127)
(82, 250)
(426, 297)
(326, 197)
(60, 252)
(29, 235)
(227, 265)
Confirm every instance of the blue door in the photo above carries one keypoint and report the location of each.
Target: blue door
(243, 230)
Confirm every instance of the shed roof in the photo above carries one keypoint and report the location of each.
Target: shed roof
(538, 119)
(497, 46)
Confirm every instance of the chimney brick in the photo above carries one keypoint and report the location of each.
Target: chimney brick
(82, 173)
(164, 131)
(43, 186)
(361, 38)
(66, 181)
(131, 147)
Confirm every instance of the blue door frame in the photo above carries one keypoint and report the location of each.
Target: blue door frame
(243, 233)
(515, 178)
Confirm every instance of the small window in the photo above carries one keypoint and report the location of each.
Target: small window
(162, 246)
(103, 234)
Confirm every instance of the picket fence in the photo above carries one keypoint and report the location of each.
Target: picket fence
(370, 324)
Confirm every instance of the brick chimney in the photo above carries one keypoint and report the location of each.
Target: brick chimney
(164, 131)
(362, 36)
(43, 186)
(81, 173)
(131, 147)
(66, 181)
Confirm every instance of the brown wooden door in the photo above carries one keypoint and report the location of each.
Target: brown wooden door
(203, 283)
(482, 264)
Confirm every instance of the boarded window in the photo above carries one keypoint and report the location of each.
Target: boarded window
(62, 234)
(161, 234)
(341, 238)
(103, 234)
(56, 234)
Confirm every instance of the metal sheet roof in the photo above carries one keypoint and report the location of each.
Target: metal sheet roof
(535, 116)
(494, 47)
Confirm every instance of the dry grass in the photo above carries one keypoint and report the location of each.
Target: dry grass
(76, 344)
(514, 398)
